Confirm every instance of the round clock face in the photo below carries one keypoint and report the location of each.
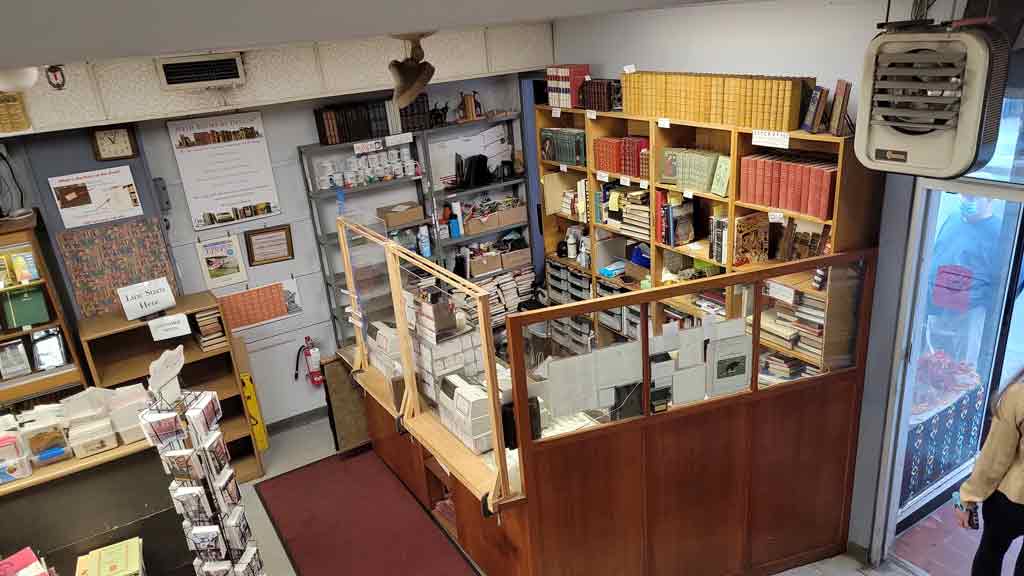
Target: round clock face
(114, 143)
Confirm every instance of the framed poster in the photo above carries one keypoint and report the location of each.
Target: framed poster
(268, 245)
(97, 196)
(225, 168)
(221, 261)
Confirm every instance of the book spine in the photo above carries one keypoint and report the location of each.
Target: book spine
(776, 182)
(784, 185)
(805, 192)
(744, 178)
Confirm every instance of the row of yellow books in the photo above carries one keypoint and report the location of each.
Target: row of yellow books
(759, 102)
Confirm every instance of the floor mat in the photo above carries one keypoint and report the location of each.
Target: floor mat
(351, 515)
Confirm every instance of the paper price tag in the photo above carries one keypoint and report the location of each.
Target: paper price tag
(776, 217)
(687, 193)
(592, 114)
(624, 180)
(602, 176)
(629, 68)
(664, 123)
(587, 78)
(644, 184)
(563, 168)
(556, 112)
(771, 138)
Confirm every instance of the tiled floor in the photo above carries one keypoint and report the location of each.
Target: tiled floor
(938, 546)
(296, 447)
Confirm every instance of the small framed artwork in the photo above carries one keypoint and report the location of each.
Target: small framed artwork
(269, 245)
(114, 143)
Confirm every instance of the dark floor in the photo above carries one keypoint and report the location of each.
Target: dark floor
(940, 547)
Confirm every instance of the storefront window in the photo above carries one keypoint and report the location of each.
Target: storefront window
(1007, 163)
(961, 290)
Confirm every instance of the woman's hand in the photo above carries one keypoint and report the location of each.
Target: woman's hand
(963, 517)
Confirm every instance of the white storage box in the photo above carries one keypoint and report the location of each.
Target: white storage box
(15, 469)
(92, 438)
(130, 434)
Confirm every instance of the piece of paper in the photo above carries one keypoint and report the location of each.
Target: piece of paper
(556, 112)
(691, 347)
(602, 176)
(629, 68)
(729, 328)
(687, 194)
(729, 365)
(776, 218)
(613, 200)
(664, 123)
(592, 114)
(367, 146)
(624, 180)
(770, 138)
(563, 168)
(225, 168)
(147, 297)
(220, 260)
(97, 196)
(644, 184)
(689, 384)
(169, 327)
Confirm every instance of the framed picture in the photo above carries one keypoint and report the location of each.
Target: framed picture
(269, 245)
(221, 261)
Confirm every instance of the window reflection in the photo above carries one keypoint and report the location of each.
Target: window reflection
(1007, 163)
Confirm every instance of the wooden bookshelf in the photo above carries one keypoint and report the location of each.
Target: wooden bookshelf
(855, 209)
(18, 236)
(119, 351)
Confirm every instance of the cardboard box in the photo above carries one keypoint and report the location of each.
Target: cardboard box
(512, 216)
(481, 225)
(399, 214)
(515, 258)
(484, 264)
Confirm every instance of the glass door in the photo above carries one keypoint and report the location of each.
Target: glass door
(963, 284)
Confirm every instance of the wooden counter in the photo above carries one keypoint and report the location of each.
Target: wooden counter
(68, 467)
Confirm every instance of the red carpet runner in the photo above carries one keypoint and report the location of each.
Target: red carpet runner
(353, 517)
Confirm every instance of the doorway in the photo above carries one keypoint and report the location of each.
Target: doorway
(966, 343)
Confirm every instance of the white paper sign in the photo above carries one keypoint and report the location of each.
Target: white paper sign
(556, 112)
(629, 68)
(644, 184)
(602, 176)
(398, 139)
(169, 327)
(563, 168)
(97, 196)
(225, 168)
(687, 193)
(146, 298)
(771, 138)
(592, 114)
(776, 217)
(624, 180)
(664, 123)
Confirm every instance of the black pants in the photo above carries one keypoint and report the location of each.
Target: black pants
(1004, 522)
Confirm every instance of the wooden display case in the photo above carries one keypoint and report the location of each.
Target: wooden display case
(21, 237)
(119, 352)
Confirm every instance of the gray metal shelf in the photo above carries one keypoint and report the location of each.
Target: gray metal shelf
(464, 239)
(454, 194)
(325, 194)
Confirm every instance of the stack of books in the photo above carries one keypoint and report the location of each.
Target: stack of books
(564, 84)
(602, 95)
(752, 239)
(608, 154)
(762, 102)
(636, 215)
(695, 170)
(776, 368)
(563, 145)
(632, 160)
(810, 321)
(572, 203)
(676, 221)
(524, 284)
(802, 239)
(210, 335)
(416, 116)
(796, 184)
(712, 300)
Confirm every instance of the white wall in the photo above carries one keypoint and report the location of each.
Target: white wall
(821, 38)
(272, 347)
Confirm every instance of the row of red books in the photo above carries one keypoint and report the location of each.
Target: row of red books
(621, 155)
(795, 184)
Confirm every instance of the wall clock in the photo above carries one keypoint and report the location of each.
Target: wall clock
(114, 143)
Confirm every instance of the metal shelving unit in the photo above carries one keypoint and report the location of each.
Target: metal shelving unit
(326, 234)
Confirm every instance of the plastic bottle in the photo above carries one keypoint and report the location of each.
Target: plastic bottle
(339, 194)
(571, 244)
(424, 240)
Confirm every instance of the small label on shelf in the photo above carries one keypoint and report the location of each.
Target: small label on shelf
(664, 123)
(563, 168)
(771, 138)
(592, 114)
(688, 194)
(602, 176)
(556, 112)
(776, 217)
(644, 184)
(624, 180)
(587, 78)
(629, 68)
(398, 139)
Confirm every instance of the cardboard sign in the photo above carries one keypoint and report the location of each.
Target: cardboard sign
(145, 298)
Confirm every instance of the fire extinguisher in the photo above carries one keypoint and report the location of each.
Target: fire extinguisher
(311, 353)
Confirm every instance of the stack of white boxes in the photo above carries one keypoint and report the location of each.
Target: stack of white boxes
(464, 412)
(437, 350)
(383, 346)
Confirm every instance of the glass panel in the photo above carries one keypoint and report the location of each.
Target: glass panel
(1013, 361)
(579, 376)
(961, 289)
(808, 323)
(1007, 163)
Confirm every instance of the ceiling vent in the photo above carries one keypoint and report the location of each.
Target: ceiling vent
(223, 69)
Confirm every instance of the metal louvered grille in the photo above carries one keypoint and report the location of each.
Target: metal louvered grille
(919, 91)
(178, 73)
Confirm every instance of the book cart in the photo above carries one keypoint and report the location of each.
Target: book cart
(852, 221)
